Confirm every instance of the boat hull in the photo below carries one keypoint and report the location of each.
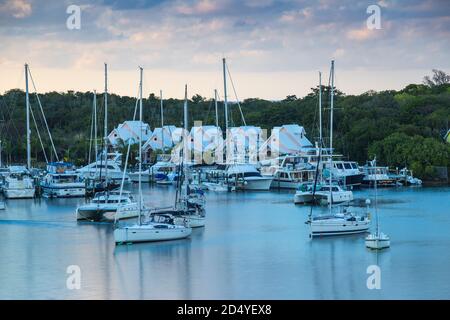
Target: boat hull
(259, 184)
(334, 228)
(106, 214)
(27, 193)
(142, 234)
(377, 244)
(64, 192)
(303, 197)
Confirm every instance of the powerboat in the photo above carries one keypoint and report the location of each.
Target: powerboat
(111, 168)
(105, 207)
(247, 177)
(380, 175)
(19, 184)
(323, 194)
(62, 181)
(347, 172)
(289, 171)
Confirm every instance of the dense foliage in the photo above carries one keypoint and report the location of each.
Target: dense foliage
(403, 128)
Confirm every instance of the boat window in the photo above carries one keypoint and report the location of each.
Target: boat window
(339, 166)
(347, 165)
(354, 165)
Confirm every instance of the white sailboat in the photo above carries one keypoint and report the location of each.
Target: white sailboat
(343, 221)
(148, 231)
(189, 206)
(377, 240)
(19, 184)
(331, 193)
(108, 205)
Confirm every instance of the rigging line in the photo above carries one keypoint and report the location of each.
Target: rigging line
(39, 135)
(235, 94)
(43, 115)
(128, 154)
(92, 133)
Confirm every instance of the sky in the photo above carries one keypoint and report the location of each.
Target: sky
(274, 48)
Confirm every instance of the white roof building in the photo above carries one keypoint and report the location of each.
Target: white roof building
(287, 139)
(162, 138)
(202, 142)
(129, 133)
(243, 143)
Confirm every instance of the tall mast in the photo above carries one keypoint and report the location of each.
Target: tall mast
(331, 127)
(320, 107)
(95, 125)
(105, 134)
(140, 144)
(376, 197)
(215, 104)
(162, 120)
(27, 102)
(225, 93)
(185, 144)
(185, 110)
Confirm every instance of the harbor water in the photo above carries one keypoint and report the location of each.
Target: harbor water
(255, 245)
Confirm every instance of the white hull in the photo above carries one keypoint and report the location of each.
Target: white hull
(19, 193)
(134, 177)
(195, 222)
(106, 213)
(338, 197)
(378, 242)
(64, 192)
(148, 233)
(216, 187)
(303, 197)
(257, 184)
(283, 184)
(333, 227)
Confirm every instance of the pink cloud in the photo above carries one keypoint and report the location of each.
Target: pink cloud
(18, 8)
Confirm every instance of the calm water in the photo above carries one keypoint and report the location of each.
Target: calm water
(255, 246)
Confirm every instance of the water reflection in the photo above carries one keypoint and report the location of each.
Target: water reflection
(255, 245)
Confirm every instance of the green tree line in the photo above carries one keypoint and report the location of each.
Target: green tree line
(402, 128)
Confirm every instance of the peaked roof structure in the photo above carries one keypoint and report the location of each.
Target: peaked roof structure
(287, 139)
(129, 132)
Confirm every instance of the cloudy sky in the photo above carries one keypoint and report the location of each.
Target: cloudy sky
(274, 47)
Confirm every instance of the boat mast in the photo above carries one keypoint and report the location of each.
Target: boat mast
(376, 198)
(215, 104)
(320, 107)
(162, 120)
(27, 102)
(95, 126)
(225, 93)
(331, 129)
(105, 135)
(140, 145)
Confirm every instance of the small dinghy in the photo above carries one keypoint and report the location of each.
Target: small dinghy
(378, 241)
